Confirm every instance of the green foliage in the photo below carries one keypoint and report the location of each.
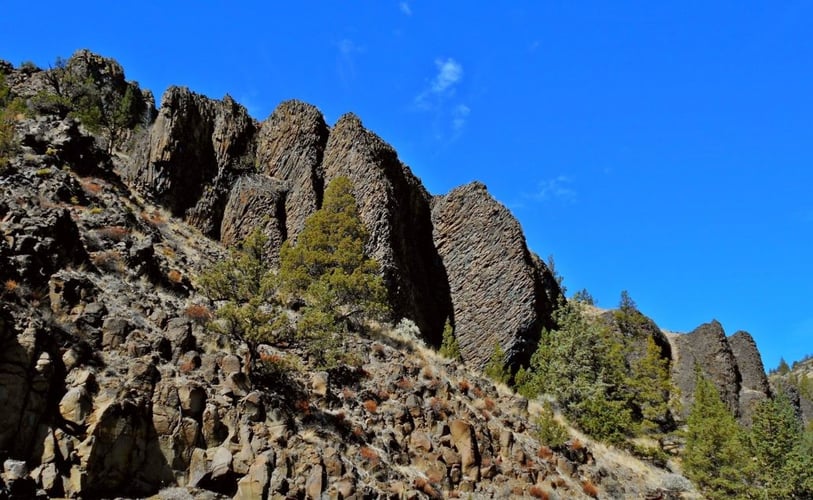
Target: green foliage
(549, 431)
(784, 465)
(582, 365)
(10, 108)
(329, 271)
(556, 276)
(715, 456)
(495, 368)
(651, 386)
(783, 368)
(247, 286)
(449, 348)
(584, 297)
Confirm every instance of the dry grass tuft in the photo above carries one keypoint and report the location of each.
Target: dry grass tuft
(175, 276)
(109, 260)
(200, 314)
(114, 233)
(370, 455)
(590, 489)
(10, 286)
(537, 492)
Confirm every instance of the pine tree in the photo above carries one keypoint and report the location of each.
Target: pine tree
(328, 270)
(495, 369)
(714, 457)
(246, 287)
(651, 386)
(449, 347)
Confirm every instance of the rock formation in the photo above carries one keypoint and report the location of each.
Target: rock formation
(754, 385)
(733, 364)
(500, 292)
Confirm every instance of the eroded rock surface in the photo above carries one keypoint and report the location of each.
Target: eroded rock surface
(500, 292)
(754, 385)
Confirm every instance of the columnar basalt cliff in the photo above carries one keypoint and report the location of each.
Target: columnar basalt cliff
(500, 292)
(733, 364)
(198, 151)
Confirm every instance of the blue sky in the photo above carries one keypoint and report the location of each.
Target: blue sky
(662, 148)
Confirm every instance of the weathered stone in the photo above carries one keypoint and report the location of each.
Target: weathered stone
(290, 147)
(500, 292)
(193, 149)
(221, 463)
(395, 209)
(754, 385)
(255, 202)
(315, 483)
(254, 485)
(75, 405)
(707, 348)
(464, 440)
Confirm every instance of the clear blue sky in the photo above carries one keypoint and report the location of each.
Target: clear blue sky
(662, 149)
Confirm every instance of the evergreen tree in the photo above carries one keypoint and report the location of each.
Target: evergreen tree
(449, 347)
(784, 467)
(714, 457)
(495, 369)
(246, 288)
(328, 270)
(651, 386)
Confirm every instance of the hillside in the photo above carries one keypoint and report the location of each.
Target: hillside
(115, 383)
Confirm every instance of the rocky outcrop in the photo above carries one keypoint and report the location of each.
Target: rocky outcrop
(395, 209)
(194, 151)
(255, 201)
(754, 385)
(290, 147)
(705, 347)
(500, 292)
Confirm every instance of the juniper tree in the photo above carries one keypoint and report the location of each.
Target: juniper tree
(330, 273)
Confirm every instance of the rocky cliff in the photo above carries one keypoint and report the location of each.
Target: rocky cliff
(733, 364)
(207, 161)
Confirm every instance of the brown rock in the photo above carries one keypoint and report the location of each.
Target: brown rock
(255, 201)
(501, 293)
(315, 483)
(395, 209)
(290, 147)
(754, 385)
(707, 348)
(465, 442)
(254, 485)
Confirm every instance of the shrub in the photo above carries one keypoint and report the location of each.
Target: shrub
(370, 405)
(549, 431)
(198, 313)
(590, 489)
(449, 347)
(495, 368)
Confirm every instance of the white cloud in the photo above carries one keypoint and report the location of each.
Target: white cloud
(450, 72)
(405, 8)
(459, 115)
(345, 62)
(557, 188)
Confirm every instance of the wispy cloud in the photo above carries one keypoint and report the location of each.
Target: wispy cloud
(557, 188)
(345, 60)
(449, 74)
(404, 6)
(460, 114)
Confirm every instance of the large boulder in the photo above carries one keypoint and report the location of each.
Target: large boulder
(192, 154)
(754, 385)
(706, 348)
(395, 208)
(501, 293)
(290, 147)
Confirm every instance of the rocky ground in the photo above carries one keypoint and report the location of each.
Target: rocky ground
(112, 386)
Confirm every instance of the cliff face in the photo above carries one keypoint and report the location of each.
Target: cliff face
(199, 154)
(499, 291)
(733, 364)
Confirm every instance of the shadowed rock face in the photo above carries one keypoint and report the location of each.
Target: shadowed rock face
(290, 147)
(193, 151)
(255, 201)
(754, 386)
(394, 207)
(500, 292)
(707, 348)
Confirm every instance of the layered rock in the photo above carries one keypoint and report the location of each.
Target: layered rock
(754, 385)
(194, 150)
(255, 201)
(500, 292)
(395, 208)
(290, 147)
(706, 348)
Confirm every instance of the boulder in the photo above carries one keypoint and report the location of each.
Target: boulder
(465, 441)
(500, 292)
